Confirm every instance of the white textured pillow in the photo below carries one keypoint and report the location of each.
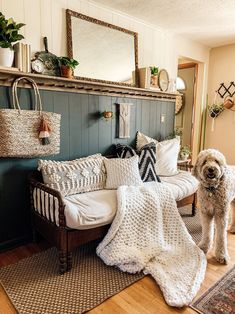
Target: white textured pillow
(167, 155)
(74, 176)
(122, 172)
(142, 140)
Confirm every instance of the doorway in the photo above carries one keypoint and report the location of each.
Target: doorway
(185, 118)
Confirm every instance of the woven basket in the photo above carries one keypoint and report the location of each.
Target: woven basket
(19, 129)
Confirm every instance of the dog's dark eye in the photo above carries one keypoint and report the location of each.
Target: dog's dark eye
(204, 162)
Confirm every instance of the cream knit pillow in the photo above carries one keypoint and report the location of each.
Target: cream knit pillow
(122, 172)
(74, 176)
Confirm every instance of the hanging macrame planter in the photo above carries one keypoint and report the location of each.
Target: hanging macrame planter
(215, 110)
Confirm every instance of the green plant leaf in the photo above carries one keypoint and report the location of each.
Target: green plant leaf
(9, 31)
(10, 21)
(18, 26)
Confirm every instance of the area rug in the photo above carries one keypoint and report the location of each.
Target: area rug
(34, 286)
(220, 298)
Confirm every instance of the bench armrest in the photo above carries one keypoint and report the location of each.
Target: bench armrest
(46, 201)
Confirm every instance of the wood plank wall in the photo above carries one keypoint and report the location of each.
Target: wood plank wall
(47, 18)
(82, 133)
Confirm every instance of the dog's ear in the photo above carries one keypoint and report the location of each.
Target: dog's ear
(197, 165)
(194, 170)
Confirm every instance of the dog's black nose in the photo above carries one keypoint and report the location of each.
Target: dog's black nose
(210, 170)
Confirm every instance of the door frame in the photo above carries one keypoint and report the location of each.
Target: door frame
(187, 66)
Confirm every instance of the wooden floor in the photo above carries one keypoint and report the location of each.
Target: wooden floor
(142, 297)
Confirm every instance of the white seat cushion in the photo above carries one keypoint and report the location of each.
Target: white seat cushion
(182, 184)
(97, 208)
(94, 209)
(91, 209)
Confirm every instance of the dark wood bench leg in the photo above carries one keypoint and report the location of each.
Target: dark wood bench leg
(63, 250)
(194, 208)
(34, 236)
(69, 261)
(63, 261)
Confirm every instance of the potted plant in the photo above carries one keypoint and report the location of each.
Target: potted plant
(9, 33)
(185, 151)
(67, 66)
(154, 76)
(107, 115)
(215, 110)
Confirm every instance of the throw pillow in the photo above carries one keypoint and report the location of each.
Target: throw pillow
(142, 139)
(147, 160)
(167, 156)
(75, 176)
(122, 172)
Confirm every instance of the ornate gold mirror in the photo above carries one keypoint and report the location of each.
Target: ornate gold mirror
(105, 52)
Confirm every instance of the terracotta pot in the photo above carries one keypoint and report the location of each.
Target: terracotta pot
(66, 71)
(107, 114)
(154, 80)
(228, 103)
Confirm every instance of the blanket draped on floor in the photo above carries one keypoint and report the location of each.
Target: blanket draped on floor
(148, 235)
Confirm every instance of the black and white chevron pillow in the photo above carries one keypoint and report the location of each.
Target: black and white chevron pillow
(147, 160)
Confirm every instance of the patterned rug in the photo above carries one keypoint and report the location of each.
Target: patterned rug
(34, 286)
(220, 298)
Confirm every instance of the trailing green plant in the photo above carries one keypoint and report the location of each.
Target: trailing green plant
(215, 109)
(71, 63)
(176, 132)
(154, 70)
(9, 32)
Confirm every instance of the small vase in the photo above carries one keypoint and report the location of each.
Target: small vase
(228, 103)
(107, 115)
(6, 57)
(66, 71)
(184, 156)
(154, 80)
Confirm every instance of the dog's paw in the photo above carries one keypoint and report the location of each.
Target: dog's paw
(222, 258)
(231, 229)
(204, 247)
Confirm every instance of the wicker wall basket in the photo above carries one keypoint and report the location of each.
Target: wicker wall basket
(19, 129)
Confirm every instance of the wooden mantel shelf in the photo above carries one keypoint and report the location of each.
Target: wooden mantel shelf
(81, 86)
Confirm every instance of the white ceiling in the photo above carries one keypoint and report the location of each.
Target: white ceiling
(210, 22)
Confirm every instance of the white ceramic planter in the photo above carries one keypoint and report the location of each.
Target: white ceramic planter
(184, 156)
(6, 57)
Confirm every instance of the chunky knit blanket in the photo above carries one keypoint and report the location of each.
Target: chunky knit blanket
(148, 235)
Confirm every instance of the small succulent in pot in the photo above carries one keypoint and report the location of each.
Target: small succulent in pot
(67, 66)
(185, 151)
(154, 75)
(107, 115)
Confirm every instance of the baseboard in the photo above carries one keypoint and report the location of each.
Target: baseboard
(10, 244)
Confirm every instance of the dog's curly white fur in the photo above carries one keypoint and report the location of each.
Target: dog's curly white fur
(216, 194)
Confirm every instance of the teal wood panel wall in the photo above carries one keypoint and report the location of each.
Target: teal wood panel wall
(82, 133)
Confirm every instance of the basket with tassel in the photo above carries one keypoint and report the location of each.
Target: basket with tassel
(28, 133)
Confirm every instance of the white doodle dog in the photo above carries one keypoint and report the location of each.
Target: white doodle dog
(216, 194)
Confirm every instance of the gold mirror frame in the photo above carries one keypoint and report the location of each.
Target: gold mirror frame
(70, 14)
(161, 81)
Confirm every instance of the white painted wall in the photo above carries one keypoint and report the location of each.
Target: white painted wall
(47, 18)
(156, 46)
(221, 69)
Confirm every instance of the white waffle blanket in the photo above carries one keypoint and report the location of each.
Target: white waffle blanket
(148, 235)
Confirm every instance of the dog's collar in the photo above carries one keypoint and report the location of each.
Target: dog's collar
(210, 190)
